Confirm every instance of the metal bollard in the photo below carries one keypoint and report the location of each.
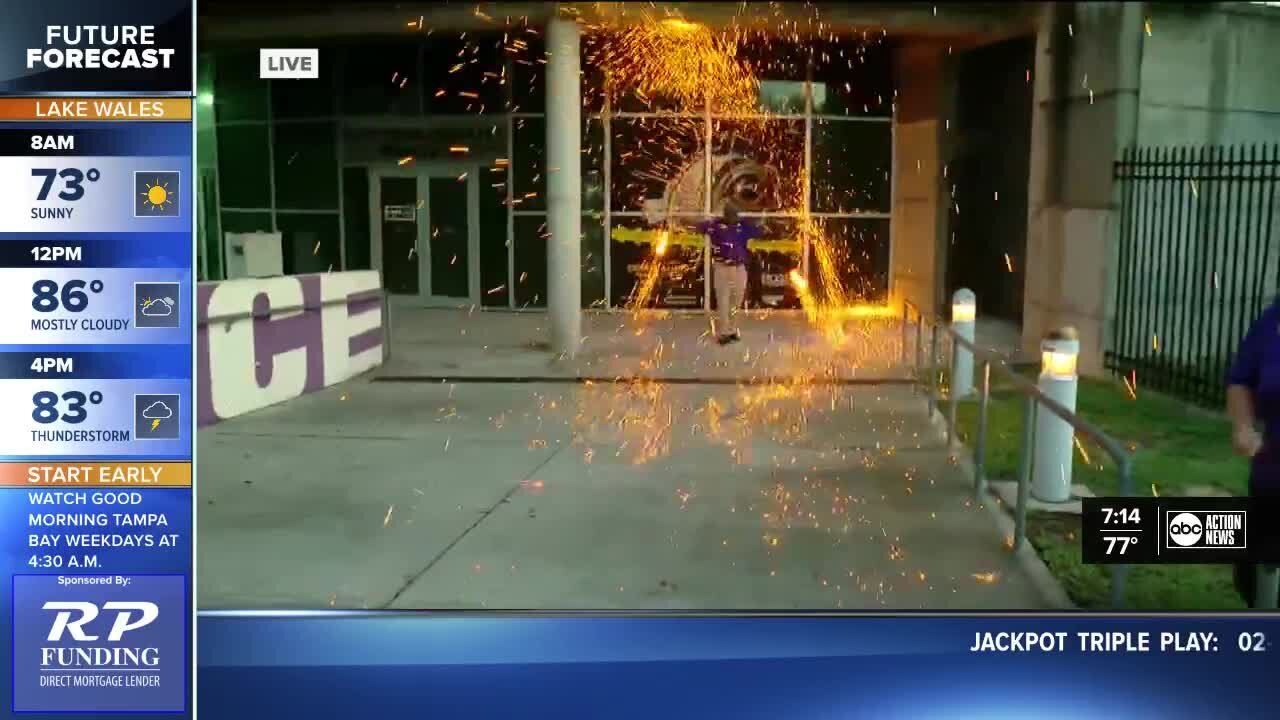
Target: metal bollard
(1267, 593)
(953, 402)
(980, 442)
(905, 317)
(1120, 573)
(1024, 471)
(1055, 436)
(933, 370)
(963, 314)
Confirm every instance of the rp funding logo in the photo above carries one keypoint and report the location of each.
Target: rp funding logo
(87, 612)
(100, 664)
(100, 642)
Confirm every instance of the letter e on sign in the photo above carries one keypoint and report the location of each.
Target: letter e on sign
(289, 63)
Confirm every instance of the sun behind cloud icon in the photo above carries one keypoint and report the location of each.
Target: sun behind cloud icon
(161, 307)
(157, 411)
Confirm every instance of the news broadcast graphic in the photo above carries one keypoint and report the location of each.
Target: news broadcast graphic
(887, 666)
(1181, 530)
(96, 302)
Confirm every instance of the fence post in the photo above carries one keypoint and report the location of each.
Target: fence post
(919, 345)
(905, 317)
(933, 369)
(1267, 589)
(980, 442)
(964, 306)
(1119, 573)
(1024, 471)
(953, 400)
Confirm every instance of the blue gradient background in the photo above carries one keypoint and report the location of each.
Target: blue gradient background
(119, 362)
(175, 503)
(101, 139)
(424, 665)
(100, 250)
(24, 27)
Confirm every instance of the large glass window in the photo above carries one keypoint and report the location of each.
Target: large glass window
(238, 94)
(856, 253)
(467, 75)
(310, 242)
(852, 164)
(530, 164)
(657, 161)
(306, 166)
(385, 81)
(244, 171)
(530, 261)
(823, 105)
(758, 164)
(308, 98)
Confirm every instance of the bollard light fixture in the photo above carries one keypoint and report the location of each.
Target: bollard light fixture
(964, 306)
(1051, 473)
(1059, 353)
(964, 309)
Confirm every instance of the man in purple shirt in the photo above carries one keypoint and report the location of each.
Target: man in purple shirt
(729, 257)
(1253, 396)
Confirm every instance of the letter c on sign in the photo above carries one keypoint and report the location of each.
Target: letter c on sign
(233, 382)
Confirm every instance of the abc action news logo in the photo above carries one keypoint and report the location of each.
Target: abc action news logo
(1206, 530)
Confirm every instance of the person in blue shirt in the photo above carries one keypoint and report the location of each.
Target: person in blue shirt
(729, 236)
(1253, 397)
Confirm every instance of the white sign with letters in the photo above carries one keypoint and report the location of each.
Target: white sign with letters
(399, 213)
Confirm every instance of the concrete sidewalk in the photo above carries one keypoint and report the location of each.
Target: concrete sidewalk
(437, 343)
(475, 494)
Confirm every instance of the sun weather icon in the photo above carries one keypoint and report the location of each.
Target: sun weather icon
(156, 193)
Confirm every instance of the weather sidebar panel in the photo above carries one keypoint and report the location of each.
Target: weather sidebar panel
(96, 360)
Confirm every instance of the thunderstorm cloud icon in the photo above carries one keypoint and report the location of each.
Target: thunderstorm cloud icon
(157, 411)
(158, 308)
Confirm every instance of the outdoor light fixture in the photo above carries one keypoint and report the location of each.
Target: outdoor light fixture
(964, 309)
(964, 306)
(1051, 476)
(1058, 354)
(1058, 364)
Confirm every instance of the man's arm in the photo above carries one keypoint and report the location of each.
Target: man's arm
(1242, 381)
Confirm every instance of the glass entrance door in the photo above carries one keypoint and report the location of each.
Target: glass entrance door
(449, 237)
(398, 216)
(428, 233)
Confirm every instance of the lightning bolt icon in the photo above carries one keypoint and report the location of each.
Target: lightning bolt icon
(155, 424)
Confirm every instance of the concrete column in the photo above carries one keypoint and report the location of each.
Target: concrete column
(919, 213)
(564, 186)
(1088, 57)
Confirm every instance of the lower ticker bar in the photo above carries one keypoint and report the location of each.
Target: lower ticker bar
(95, 474)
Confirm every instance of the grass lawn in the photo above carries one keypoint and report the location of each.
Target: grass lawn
(1177, 450)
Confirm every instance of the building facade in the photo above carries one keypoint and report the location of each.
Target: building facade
(964, 145)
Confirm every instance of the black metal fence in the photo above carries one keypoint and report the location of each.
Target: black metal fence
(1198, 253)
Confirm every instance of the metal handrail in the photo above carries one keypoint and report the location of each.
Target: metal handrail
(1035, 398)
